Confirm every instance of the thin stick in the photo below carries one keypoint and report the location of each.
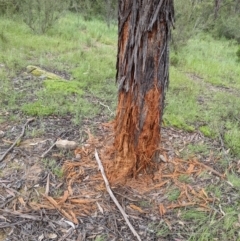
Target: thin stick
(67, 235)
(47, 185)
(113, 197)
(48, 150)
(17, 140)
(210, 169)
(61, 135)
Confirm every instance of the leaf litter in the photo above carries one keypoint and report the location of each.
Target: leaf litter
(83, 203)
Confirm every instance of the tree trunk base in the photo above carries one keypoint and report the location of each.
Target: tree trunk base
(137, 133)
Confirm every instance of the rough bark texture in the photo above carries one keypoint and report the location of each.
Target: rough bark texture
(142, 76)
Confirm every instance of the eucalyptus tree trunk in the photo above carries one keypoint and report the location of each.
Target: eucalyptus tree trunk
(142, 77)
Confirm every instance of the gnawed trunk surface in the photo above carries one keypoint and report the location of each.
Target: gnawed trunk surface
(142, 76)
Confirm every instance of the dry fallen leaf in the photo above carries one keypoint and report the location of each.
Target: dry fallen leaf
(52, 235)
(41, 237)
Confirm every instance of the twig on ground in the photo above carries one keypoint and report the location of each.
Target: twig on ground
(210, 169)
(8, 225)
(47, 185)
(30, 217)
(67, 235)
(106, 106)
(113, 197)
(61, 135)
(21, 215)
(48, 150)
(17, 140)
(8, 201)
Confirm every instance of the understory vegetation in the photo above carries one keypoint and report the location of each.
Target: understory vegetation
(203, 96)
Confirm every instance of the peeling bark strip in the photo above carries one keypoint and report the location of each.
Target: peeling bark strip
(142, 76)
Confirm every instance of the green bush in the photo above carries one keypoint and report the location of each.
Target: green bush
(41, 15)
(89, 9)
(191, 17)
(228, 27)
(8, 7)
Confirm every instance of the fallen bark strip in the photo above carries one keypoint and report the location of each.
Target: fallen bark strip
(125, 216)
(17, 140)
(60, 209)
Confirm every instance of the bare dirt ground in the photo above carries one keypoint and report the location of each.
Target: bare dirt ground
(40, 202)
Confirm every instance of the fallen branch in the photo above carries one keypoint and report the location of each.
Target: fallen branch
(113, 197)
(29, 217)
(17, 140)
(25, 216)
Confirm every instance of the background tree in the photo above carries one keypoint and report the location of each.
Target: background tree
(217, 7)
(142, 76)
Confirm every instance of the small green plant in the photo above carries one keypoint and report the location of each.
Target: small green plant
(216, 190)
(199, 148)
(184, 178)
(100, 238)
(54, 168)
(144, 204)
(231, 137)
(160, 228)
(35, 132)
(207, 131)
(173, 194)
(234, 180)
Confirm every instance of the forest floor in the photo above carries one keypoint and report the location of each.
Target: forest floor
(193, 193)
(171, 204)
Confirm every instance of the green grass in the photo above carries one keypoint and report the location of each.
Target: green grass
(53, 167)
(212, 227)
(213, 60)
(196, 99)
(86, 51)
(173, 194)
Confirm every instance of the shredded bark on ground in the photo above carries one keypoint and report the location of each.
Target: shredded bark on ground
(37, 205)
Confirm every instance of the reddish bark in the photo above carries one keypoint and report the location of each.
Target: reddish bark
(142, 75)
